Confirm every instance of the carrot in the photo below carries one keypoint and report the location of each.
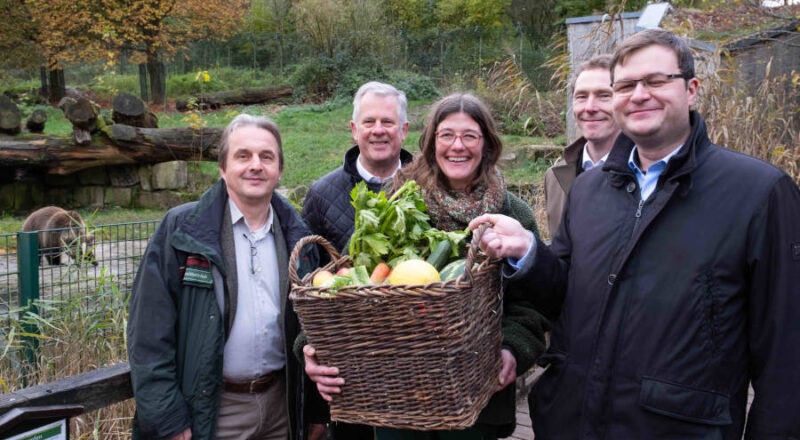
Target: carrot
(380, 273)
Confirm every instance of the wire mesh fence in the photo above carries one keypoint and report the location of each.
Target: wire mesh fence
(71, 269)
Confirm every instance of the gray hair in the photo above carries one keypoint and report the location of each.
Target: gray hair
(381, 89)
(245, 120)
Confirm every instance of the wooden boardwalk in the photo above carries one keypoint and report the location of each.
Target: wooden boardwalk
(524, 430)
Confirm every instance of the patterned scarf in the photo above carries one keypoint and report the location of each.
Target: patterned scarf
(453, 210)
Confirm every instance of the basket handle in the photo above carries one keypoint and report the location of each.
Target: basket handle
(318, 239)
(474, 249)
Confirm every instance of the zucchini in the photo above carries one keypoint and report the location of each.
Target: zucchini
(453, 270)
(440, 254)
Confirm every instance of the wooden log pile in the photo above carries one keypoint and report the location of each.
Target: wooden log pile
(96, 142)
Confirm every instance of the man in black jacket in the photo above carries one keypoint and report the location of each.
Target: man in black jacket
(379, 127)
(674, 275)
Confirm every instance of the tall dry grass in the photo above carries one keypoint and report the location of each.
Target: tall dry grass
(763, 122)
(75, 336)
(517, 105)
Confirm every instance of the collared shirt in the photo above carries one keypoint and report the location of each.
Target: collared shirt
(371, 178)
(587, 161)
(648, 179)
(255, 344)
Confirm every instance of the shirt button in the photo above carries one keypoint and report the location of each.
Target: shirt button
(611, 279)
(631, 187)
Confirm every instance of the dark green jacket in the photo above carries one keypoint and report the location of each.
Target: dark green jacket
(176, 330)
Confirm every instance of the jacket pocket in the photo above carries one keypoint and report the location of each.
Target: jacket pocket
(547, 390)
(685, 403)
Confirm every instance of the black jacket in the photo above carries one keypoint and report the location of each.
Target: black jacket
(327, 209)
(671, 307)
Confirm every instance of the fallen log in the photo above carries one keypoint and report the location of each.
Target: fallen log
(119, 144)
(244, 97)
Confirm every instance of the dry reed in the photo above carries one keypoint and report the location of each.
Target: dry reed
(75, 336)
(762, 121)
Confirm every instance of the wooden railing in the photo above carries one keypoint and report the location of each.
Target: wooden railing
(93, 390)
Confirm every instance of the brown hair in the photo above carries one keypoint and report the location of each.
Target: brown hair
(424, 168)
(660, 37)
(245, 120)
(598, 62)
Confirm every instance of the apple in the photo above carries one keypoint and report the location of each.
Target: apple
(343, 271)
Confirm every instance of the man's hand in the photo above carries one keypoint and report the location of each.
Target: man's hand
(327, 378)
(185, 435)
(505, 238)
(508, 373)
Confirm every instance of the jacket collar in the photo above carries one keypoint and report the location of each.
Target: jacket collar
(351, 156)
(681, 164)
(199, 231)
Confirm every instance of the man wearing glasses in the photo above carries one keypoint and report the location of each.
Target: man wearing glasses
(674, 275)
(592, 107)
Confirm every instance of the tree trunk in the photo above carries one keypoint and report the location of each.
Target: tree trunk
(10, 117)
(119, 144)
(245, 97)
(130, 110)
(144, 91)
(43, 91)
(158, 87)
(36, 121)
(57, 87)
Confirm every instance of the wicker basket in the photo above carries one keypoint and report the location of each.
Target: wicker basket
(423, 357)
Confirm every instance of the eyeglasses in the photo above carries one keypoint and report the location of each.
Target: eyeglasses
(651, 82)
(469, 138)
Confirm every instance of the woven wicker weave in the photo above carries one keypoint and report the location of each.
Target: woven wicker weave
(423, 357)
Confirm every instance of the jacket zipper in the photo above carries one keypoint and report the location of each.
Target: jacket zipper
(638, 216)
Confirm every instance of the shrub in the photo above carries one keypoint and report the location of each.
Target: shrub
(414, 85)
(314, 79)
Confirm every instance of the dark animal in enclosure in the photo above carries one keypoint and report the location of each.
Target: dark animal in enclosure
(61, 231)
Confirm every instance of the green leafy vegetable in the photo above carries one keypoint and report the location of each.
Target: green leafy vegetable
(394, 229)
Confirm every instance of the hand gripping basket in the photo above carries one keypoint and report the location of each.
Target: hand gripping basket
(423, 357)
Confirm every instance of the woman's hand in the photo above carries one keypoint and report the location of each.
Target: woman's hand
(505, 238)
(508, 373)
(327, 378)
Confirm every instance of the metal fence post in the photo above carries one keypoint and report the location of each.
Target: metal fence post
(28, 272)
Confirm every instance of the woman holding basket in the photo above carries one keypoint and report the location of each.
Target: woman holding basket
(457, 173)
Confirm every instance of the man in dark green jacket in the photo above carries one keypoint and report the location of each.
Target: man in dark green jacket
(201, 367)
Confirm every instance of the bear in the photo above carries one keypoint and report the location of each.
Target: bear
(59, 231)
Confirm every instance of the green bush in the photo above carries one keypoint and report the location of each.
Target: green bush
(314, 80)
(414, 85)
